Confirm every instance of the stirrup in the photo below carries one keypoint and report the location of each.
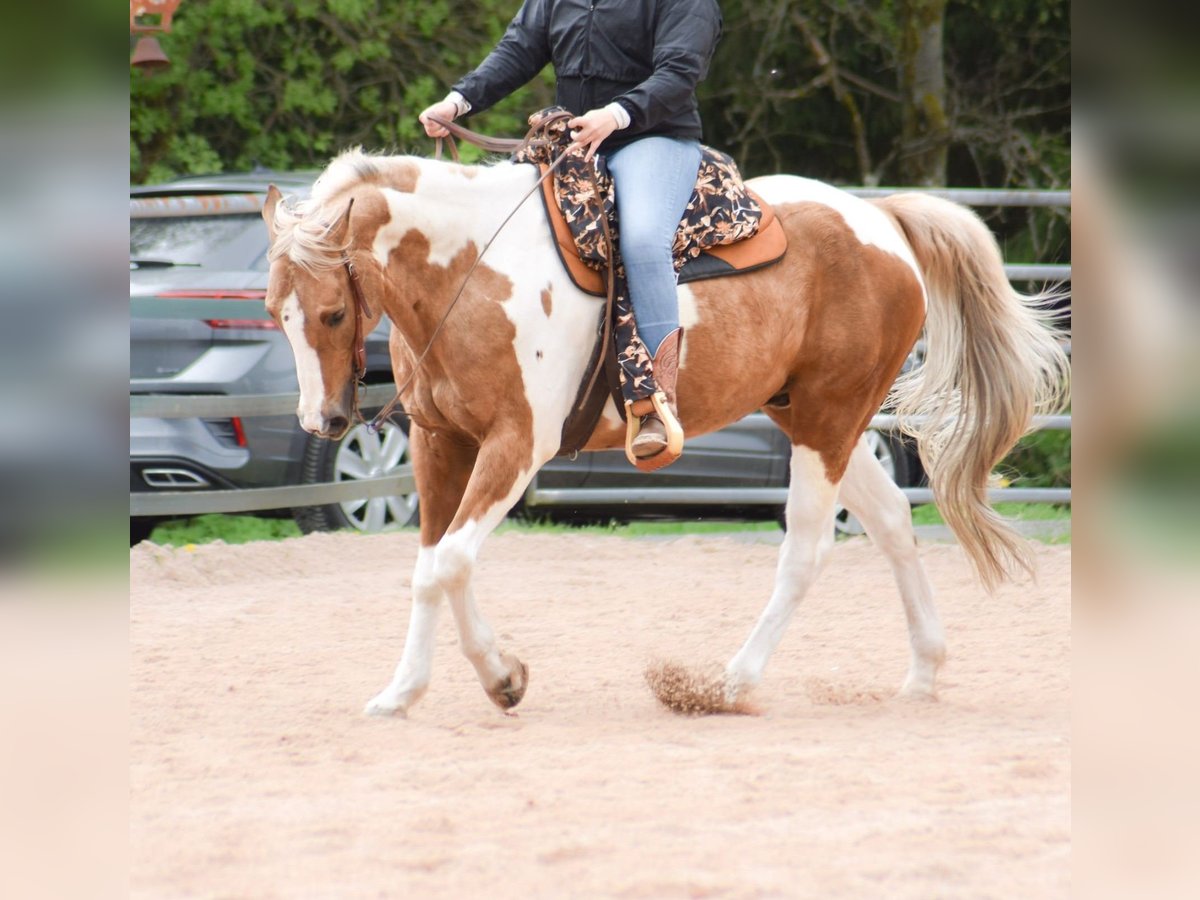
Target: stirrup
(674, 447)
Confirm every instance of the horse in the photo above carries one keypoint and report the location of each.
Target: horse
(816, 341)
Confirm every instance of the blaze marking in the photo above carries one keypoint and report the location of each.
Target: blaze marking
(308, 364)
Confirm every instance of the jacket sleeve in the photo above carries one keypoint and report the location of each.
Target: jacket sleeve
(521, 54)
(685, 37)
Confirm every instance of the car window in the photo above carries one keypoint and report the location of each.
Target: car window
(214, 242)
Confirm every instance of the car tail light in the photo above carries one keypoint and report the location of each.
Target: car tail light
(228, 431)
(264, 324)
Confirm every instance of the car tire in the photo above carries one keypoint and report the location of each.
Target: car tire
(360, 454)
(893, 454)
(140, 528)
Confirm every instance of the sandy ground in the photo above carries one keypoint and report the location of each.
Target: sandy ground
(254, 774)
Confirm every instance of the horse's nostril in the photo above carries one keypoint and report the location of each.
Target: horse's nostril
(338, 424)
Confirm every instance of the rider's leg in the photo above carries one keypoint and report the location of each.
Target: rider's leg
(654, 178)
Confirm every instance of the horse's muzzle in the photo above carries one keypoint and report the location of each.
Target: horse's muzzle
(336, 428)
(333, 427)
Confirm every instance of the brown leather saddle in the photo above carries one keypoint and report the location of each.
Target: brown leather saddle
(766, 246)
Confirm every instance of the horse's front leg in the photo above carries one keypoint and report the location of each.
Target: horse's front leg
(502, 472)
(441, 469)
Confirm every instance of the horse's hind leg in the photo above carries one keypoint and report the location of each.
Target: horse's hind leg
(885, 513)
(806, 545)
(441, 469)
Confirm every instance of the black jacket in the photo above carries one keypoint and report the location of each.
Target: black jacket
(647, 55)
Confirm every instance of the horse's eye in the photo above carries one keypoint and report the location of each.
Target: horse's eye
(336, 318)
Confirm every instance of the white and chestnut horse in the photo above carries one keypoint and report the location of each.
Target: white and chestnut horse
(828, 327)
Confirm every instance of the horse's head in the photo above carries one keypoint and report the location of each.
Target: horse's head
(309, 294)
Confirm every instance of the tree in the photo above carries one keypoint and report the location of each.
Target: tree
(897, 92)
(925, 124)
(289, 84)
(970, 92)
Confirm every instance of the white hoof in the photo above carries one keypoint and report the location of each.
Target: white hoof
(385, 706)
(918, 690)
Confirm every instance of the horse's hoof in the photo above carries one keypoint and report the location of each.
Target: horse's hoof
(381, 707)
(921, 693)
(508, 693)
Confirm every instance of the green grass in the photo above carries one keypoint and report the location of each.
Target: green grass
(230, 529)
(1025, 512)
(927, 514)
(640, 527)
(241, 529)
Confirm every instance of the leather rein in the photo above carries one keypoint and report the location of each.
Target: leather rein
(363, 311)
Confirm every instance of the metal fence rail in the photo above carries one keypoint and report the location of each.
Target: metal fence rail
(194, 406)
(196, 503)
(400, 481)
(617, 497)
(974, 196)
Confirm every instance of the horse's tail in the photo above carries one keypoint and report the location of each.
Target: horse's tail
(992, 361)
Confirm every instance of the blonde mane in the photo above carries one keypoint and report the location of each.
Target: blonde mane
(302, 227)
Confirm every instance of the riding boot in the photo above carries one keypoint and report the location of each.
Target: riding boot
(659, 439)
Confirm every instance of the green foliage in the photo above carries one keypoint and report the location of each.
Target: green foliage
(289, 84)
(796, 83)
(1041, 459)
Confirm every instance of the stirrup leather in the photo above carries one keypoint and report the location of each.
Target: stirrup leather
(658, 404)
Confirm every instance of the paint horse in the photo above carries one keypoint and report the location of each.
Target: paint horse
(814, 341)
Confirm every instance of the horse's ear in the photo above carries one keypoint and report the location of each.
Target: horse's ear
(268, 213)
(338, 233)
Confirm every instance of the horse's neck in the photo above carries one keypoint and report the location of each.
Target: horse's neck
(482, 192)
(519, 328)
(441, 227)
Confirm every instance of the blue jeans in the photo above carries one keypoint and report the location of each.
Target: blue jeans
(653, 178)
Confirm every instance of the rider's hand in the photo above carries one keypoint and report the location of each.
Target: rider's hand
(445, 109)
(591, 128)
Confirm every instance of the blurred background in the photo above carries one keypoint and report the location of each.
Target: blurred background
(1136, 162)
(64, 118)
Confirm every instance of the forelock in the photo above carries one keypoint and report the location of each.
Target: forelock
(302, 235)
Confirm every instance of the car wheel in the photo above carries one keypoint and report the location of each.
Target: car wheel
(360, 454)
(889, 449)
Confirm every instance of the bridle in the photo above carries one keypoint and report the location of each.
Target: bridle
(362, 310)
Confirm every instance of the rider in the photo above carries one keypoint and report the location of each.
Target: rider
(627, 70)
